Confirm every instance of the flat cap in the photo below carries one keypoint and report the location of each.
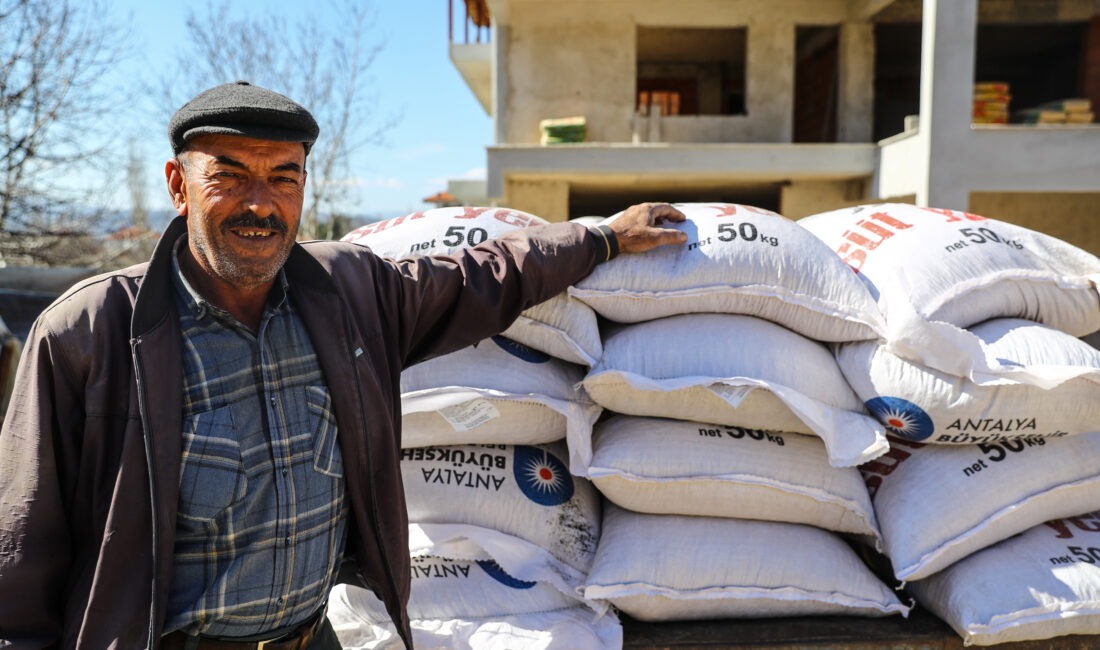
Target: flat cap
(241, 108)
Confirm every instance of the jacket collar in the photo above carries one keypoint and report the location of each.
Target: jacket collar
(154, 297)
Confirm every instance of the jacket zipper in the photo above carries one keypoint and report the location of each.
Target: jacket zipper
(139, 378)
(375, 521)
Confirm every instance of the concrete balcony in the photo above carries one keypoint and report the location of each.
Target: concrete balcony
(666, 162)
(469, 36)
(474, 61)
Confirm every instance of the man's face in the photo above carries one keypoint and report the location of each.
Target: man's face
(243, 202)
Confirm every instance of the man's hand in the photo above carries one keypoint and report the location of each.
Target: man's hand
(637, 231)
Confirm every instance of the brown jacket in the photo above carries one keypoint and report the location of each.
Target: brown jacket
(86, 527)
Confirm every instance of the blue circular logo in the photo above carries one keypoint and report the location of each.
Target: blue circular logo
(902, 417)
(498, 574)
(541, 476)
(530, 355)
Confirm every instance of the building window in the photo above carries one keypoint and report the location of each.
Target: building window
(1035, 63)
(815, 83)
(689, 71)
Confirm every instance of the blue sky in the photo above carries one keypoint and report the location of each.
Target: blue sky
(443, 130)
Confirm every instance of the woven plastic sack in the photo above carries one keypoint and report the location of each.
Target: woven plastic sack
(562, 326)
(475, 588)
(935, 272)
(937, 504)
(672, 568)
(1042, 584)
(662, 466)
(497, 392)
(523, 491)
(919, 403)
(738, 260)
(736, 371)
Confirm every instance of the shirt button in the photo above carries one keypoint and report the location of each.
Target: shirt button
(284, 471)
(287, 540)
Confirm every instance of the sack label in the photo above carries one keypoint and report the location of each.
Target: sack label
(469, 415)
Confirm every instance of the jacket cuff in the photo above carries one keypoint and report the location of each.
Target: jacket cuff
(607, 244)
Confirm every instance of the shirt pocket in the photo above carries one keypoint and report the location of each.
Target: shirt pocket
(212, 476)
(327, 458)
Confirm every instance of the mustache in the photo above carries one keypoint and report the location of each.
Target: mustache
(250, 220)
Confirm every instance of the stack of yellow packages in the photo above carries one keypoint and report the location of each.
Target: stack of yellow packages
(1075, 110)
(1061, 111)
(991, 100)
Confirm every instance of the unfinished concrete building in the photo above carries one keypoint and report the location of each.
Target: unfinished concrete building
(794, 105)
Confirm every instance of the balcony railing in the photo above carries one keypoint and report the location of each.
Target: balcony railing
(475, 18)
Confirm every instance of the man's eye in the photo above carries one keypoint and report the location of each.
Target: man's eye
(226, 175)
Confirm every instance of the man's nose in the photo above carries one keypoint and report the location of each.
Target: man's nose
(260, 198)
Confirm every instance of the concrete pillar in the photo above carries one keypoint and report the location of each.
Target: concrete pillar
(544, 198)
(856, 82)
(500, 108)
(946, 95)
(769, 79)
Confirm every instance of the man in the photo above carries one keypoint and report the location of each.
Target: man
(170, 470)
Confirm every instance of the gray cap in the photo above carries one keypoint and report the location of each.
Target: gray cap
(242, 109)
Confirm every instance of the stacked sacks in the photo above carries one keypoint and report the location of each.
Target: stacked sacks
(662, 466)
(745, 523)
(496, 392)
(733, 370)
(937, 504)
(1058, 561)
(505, 532)
(935, 272)
(502, 545)
(926, 405)
(730, 329)
(990, 398)
(673, 567)
(732, 453)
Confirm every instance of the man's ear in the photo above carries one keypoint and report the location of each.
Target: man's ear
(177, 185)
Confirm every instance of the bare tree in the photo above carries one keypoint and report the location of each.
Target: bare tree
(54, 57)
(135, 180)
(321, 64)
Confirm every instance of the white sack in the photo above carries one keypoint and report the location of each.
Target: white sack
(448, 588)
(919, 403)
(733, 370)
(570, 628)
(739, 260)
(562, 326)
(934, 272)
(497, 392)
(937, 504)
(1041, 584)
(462, 597)
(661, 466)
(523, 491)
(671, 567)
